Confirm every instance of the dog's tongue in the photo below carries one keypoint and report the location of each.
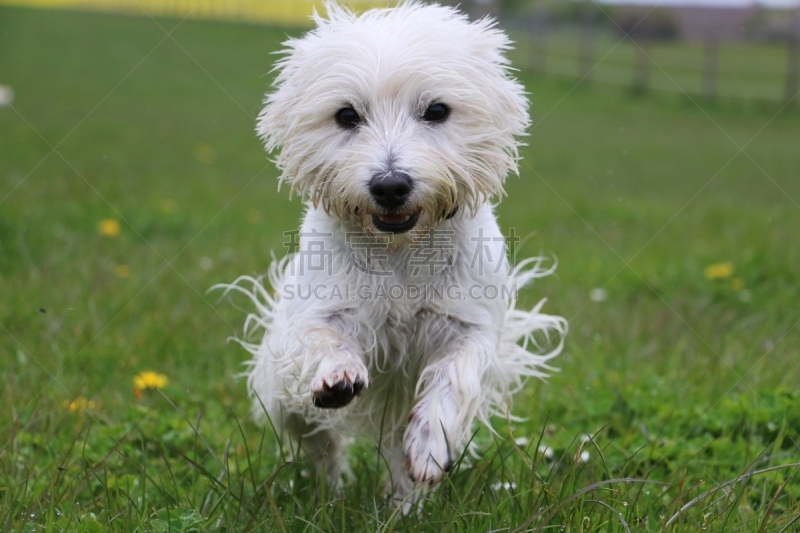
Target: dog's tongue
(394, 219)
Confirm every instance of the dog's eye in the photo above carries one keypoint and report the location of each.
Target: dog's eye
(347, 117)
(436, 113)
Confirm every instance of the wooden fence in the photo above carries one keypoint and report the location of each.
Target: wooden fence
(711, 68)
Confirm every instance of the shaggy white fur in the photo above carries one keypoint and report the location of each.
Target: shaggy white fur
(396, 314)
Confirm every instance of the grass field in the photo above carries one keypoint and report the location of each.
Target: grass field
(686, 382)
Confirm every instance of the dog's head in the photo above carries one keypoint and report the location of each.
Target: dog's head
(397, 118)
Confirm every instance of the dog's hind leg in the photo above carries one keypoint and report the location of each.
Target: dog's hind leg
(400, 487)
(324, 447)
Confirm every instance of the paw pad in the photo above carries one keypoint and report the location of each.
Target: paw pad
(337, 395)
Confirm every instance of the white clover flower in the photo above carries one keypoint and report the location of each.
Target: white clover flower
(504, 485)
(6, 95)
(598, 294)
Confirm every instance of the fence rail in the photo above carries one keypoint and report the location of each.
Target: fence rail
(740, 69)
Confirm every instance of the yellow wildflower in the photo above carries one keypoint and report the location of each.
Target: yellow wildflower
(109, 227)
(204, 153)
(122, 271)
(148, 380)
(168, 206)
(253, 216)
(80, 404)
(719, 271)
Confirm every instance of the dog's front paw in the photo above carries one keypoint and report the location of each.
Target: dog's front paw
(425, 446)
(337, 386)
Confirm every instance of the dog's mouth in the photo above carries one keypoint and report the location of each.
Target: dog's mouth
(396, 223)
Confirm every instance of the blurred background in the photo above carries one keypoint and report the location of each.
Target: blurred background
(736, 48)
(661, 173)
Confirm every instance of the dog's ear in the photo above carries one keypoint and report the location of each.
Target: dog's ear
(288, 115)
(505, 94)
(503, 106)
(283, 110)
(272, 124)
(280, 105)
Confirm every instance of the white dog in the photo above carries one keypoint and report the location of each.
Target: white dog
(396, 314)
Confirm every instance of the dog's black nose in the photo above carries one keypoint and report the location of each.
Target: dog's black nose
(391, 189)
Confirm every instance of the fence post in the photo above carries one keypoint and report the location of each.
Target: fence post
(477, 9)
(538, 39)
(586, 45)
(710, 64)
(793, 56)
(641, 70)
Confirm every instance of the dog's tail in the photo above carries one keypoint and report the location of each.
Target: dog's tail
(530, 339)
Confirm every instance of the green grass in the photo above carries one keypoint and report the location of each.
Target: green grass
(682, 381)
